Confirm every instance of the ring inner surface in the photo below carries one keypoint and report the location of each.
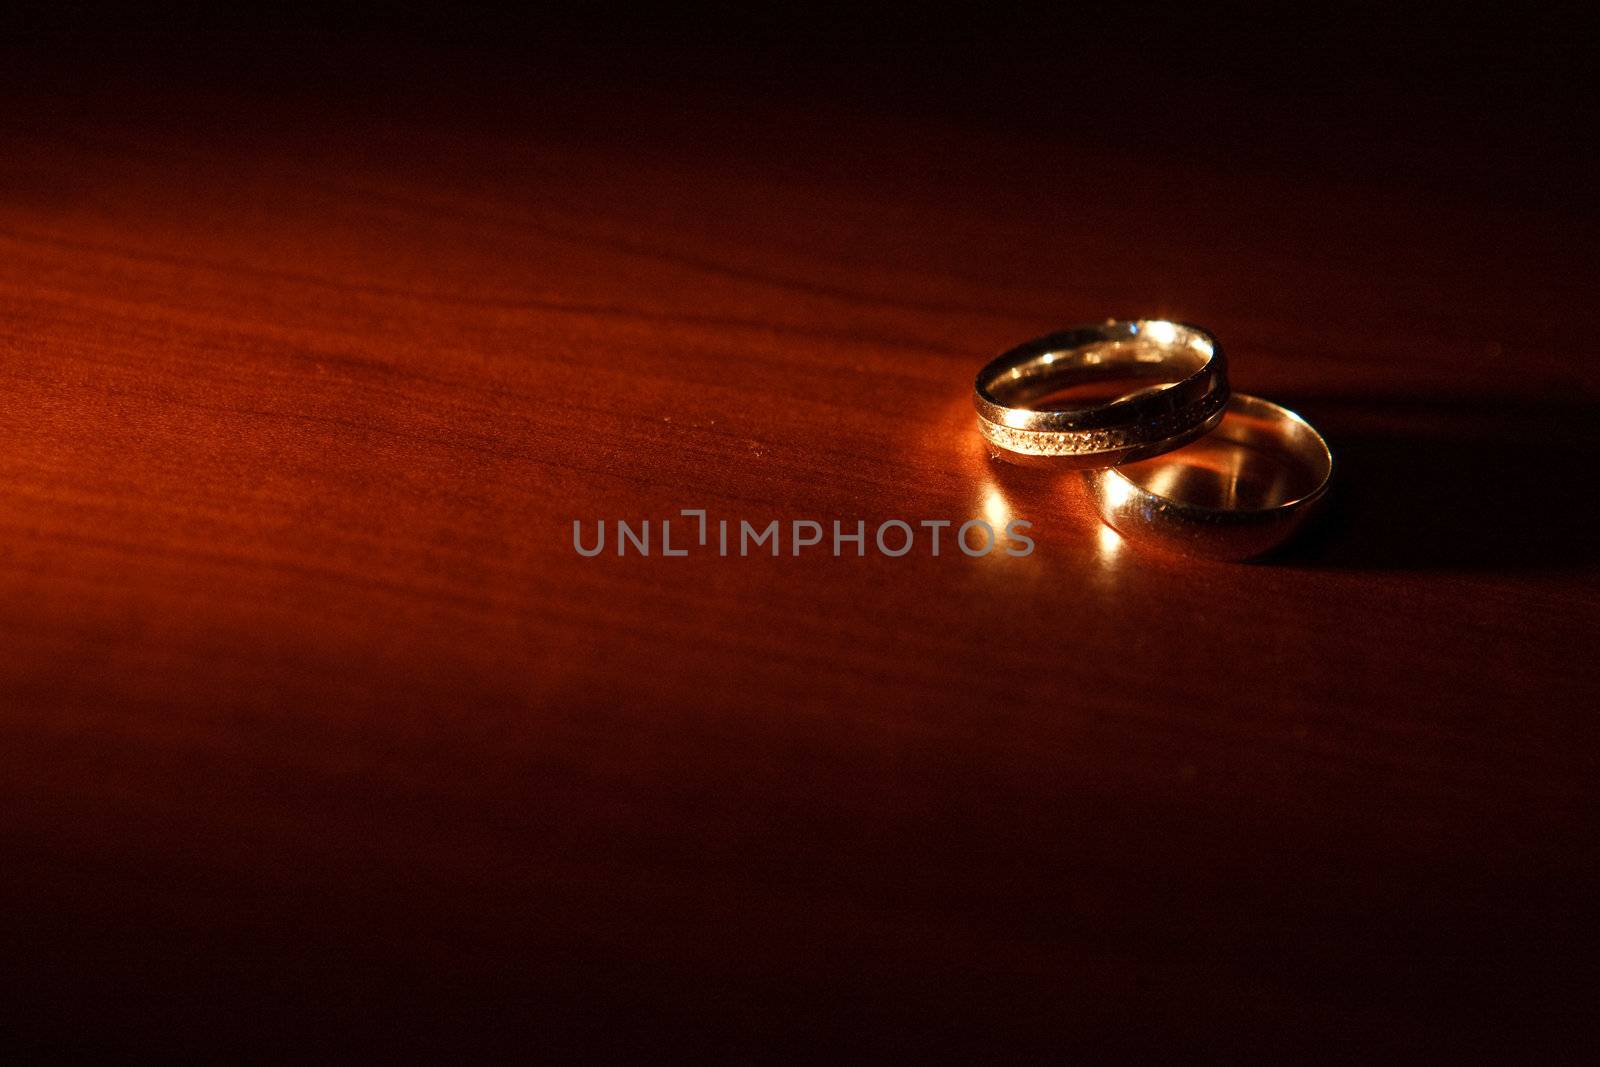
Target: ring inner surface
(1100, 372)
(1250, 462)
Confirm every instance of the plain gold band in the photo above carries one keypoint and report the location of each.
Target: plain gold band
(1150, 502)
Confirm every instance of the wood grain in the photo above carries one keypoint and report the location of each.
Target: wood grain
(313, 721)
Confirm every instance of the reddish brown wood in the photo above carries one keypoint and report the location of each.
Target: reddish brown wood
(312, 717)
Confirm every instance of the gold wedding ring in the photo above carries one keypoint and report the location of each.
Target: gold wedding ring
(1167, 384)
(1233, 494)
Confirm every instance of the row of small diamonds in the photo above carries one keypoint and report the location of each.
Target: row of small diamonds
(1080, 442)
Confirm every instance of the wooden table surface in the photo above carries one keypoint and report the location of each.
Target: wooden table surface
(312, 720)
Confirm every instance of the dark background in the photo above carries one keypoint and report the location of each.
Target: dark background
(1496, 99)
